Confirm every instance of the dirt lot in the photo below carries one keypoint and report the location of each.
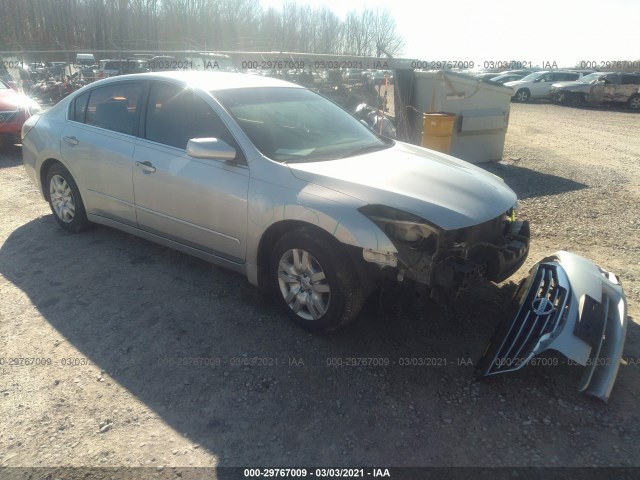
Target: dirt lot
(113, 314)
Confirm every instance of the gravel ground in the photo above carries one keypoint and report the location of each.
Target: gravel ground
(113, 313)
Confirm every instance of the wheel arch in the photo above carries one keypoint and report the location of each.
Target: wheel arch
(44, 169)
(271, 214)
(276, 230)
(271, 236)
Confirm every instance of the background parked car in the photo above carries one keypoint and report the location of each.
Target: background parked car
(57, 69)
(378, 77)
(15, 108)
(523, 71)
(353, 75)
(110, 68)
(573, 93)
(506, 77)
(614, 88)
(85, 59)
(537, 85)
(486, 75)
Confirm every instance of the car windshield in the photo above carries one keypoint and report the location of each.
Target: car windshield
(532, 76)
(591, 77)
(297, 125)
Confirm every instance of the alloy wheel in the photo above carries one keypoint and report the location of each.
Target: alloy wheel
(62, 199)
(303, 284)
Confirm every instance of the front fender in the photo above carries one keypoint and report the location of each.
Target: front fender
(332, 211)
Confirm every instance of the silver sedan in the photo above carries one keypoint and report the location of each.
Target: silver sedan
(275, 181)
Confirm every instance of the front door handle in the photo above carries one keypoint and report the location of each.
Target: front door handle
(146, 167)
(71, 140)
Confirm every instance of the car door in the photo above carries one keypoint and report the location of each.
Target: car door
(541, 85)
(544, 86)
(611, 89)
(629, 86)
(604, 88)
(199, 203)
(97, 144)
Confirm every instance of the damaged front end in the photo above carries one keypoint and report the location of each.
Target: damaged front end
(448, 260)
(570, 305)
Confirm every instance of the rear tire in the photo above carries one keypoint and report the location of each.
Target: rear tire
(314, 280)
(634, 102)
(64, 199)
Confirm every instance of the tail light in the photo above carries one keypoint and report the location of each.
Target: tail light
(28, 125)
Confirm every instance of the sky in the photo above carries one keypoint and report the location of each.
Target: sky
(536, 31)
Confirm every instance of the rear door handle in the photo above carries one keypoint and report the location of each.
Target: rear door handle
(146, 167)
(71, 140)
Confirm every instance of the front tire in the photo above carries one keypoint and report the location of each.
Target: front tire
(64, 199)
(313, 278)
(634, 102)
(575, 99)
(522, 96)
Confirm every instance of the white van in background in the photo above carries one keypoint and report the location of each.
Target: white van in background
(85, 59)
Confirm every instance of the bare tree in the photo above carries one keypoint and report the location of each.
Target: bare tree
(193, 24)
(385, 37)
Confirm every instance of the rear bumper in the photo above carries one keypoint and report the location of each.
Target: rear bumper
(11, 129)
(11, 122)
(570, 305)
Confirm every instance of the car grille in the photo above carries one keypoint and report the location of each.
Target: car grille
(540, 313)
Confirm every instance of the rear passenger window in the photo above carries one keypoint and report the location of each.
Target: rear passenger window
(115, 107)
(566, 77)
(630, 80)
(79, 109)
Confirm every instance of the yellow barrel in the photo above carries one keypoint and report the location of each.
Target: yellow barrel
(437, 130)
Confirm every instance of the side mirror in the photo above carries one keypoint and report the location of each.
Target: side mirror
(211, 149)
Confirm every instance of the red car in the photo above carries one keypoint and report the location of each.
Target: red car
(15, 108)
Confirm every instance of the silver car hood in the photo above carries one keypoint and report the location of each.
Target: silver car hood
(442, 189)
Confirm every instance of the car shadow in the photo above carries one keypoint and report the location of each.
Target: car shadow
(529, 183)
(216, 360)
(603, 108)
(621, 108)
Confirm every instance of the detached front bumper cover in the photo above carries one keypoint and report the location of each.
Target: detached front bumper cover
(570, 305)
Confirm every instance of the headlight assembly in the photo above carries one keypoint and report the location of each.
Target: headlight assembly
(404, 227)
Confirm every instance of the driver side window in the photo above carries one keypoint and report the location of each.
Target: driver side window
(175, 115)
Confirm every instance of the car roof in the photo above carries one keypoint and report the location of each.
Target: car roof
(208, 81)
